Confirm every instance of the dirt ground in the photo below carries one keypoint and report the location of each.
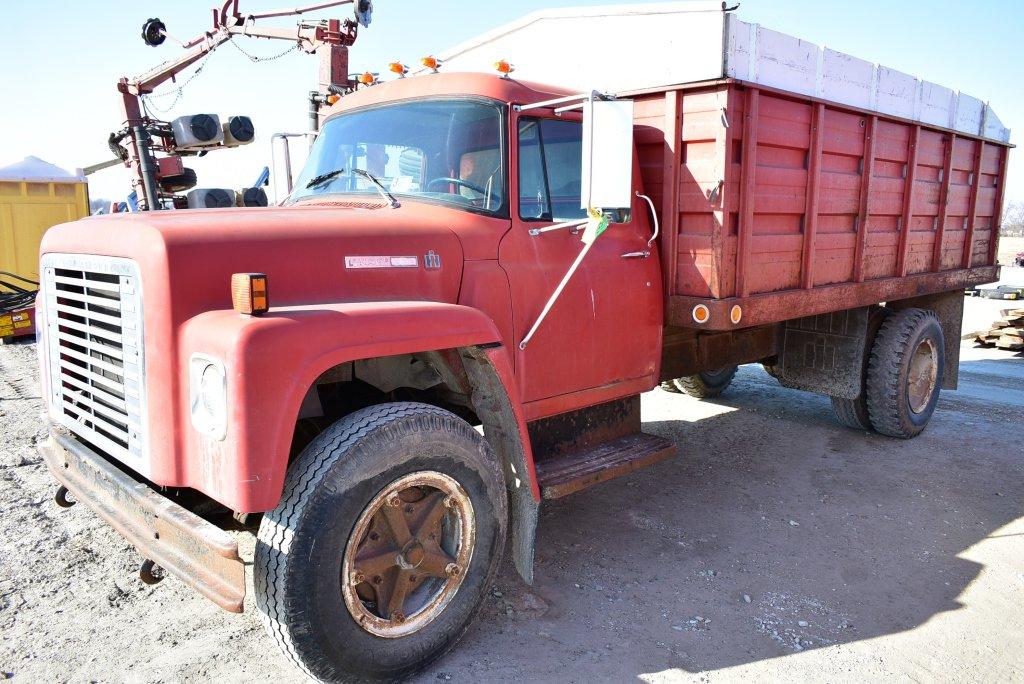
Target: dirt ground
(777, 545)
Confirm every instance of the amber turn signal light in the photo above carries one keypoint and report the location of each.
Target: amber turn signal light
(249, 293)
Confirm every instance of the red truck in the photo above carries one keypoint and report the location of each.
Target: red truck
(386, 376)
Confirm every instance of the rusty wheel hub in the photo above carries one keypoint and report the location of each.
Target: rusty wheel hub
(922, 376)
(408, 553)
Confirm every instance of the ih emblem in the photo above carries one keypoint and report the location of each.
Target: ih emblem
(432, 260)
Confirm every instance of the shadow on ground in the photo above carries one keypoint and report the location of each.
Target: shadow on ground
(774, 531)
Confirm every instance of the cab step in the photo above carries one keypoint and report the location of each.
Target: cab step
(587, 467)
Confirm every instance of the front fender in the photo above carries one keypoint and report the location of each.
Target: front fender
(271, 362)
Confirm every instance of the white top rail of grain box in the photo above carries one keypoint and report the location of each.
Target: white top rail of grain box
(622, 48)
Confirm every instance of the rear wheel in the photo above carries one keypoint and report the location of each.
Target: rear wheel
(707, 384)
(853, 413)
(905, 372)
(389, 531)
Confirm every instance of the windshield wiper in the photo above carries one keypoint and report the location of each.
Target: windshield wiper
(380, 186)
(323, 178)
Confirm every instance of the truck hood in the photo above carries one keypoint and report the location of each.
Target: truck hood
(310, 253)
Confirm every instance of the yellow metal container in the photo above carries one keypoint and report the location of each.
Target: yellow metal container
(33, 197)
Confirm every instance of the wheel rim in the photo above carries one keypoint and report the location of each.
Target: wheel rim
(408, 554)
(922, 376)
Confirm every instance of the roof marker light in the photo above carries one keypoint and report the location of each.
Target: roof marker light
(504, 68)
(332, 98)
(367, 79)
(431, 62)
(398, 68)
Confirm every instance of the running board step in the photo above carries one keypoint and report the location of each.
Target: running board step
(605, 461)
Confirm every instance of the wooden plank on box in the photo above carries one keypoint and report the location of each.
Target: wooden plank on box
(867, 172)
(940, 229)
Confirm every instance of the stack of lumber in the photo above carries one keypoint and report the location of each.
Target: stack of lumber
(999, 292)
(1006, 333)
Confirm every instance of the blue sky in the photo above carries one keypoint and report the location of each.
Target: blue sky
(59, 77)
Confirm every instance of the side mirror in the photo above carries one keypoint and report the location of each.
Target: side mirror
(607, 154)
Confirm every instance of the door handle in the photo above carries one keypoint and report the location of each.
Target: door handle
(575, 225)
(654, 217)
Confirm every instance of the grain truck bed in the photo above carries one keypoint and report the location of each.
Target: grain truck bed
(787, 205)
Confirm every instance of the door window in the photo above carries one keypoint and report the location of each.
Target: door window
(550, 159)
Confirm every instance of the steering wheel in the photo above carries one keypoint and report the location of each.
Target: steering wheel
(457, 181)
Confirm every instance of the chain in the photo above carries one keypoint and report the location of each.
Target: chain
(256, 59)
(147, 100)
(147, 103)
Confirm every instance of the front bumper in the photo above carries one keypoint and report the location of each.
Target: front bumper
(197, 552)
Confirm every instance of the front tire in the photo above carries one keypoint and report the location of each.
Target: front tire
(905, 372)
(389, 531)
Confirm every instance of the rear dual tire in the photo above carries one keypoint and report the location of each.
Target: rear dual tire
(853, 413)
(903, 377)
(905, 373)
(705, 385)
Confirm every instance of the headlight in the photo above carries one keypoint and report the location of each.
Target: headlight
(208, 396)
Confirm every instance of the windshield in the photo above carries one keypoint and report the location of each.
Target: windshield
(447, 151)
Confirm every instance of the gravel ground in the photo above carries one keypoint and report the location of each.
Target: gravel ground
(777, 545)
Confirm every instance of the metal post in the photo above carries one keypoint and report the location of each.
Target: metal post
(748, 173)
(315, 99)
(147, 167)
(287, 160)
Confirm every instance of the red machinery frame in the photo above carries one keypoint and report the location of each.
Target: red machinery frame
(330, 38)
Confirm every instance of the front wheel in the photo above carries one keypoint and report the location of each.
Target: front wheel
(389, 532)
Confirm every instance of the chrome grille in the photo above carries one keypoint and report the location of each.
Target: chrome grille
(96, 370)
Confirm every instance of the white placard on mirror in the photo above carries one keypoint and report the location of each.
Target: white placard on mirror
(607, 154)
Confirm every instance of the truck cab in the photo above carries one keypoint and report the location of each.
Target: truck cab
(403, 271)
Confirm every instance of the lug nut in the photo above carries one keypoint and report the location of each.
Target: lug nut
(452, 569)
(450, 502)
(398, 616)
(393, 500)
(358, 578)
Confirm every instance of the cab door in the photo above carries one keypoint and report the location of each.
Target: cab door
(602, 337)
